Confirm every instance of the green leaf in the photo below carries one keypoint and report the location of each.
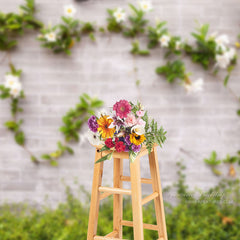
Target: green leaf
(11, 125)
(226, 80)
(104, 148)
(132, 156)
(20, 138)
(34, 159)
(106, 157)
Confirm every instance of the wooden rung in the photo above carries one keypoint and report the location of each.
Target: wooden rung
(112, 234)
(107, 238)
(145, 225)
(149, 198)
(143, 180)
(115, 190)
(104, 195)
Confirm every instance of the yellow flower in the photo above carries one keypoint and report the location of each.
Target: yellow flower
(137, 139)
(237, 44)
(104, 122)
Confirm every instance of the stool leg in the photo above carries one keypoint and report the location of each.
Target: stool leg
(94, 207)
(136, 199)
(159, 207)
(117, 198)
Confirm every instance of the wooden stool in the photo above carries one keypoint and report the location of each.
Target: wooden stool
(99, 192)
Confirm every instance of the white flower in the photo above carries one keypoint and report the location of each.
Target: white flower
(51, 37)
(138, 129)
(178, 45)
(164, 40)
(94, 138)
(223, 60)
(231, 53)
(194, 87)
(69, 10)
(120, 15)
(222, 39)
(16, 89)
(10, 80)
(145, 5)
(221, 42)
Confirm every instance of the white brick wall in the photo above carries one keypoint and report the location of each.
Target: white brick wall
(52, 83)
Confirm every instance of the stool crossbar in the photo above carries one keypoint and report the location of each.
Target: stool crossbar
(100, 192)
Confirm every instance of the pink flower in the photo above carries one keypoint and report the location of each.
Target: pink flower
(141, 122)
(130, 120)
(122, 108)
(140, 113)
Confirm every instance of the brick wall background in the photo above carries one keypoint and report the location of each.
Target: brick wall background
(196, 124)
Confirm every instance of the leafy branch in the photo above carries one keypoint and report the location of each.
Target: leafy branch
(13, 25)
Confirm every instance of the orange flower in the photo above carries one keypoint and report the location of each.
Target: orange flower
(104, 122)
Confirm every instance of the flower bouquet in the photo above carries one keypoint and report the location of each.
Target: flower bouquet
(126, 128)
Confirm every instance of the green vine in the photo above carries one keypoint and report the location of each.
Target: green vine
(13, 25)
(211, 52)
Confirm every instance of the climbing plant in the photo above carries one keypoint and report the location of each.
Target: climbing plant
(210, 51)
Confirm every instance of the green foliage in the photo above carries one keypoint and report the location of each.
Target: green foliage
(13, 25)
(137, 51)
(61, 150)
(154, 34)
(153, 133)
(18, 133)
(212, 161)
(172, 70)
(190, 218)
(205, 51)
(66, 34)
(137, 22)
(75, 118)
(113, 25)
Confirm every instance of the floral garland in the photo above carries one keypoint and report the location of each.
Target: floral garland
(125, 129)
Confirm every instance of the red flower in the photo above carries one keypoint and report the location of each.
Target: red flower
(120, 147)
(109, 143)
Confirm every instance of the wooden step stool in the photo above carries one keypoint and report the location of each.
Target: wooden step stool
(99, 192)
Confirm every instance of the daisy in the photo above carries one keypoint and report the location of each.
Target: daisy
(51, 36)
(145, 5)
(164, 40)
(69, 10)
(16, 89)
(119, 15)
(10, 80)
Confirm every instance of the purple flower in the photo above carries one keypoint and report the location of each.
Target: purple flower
(92, 124)
(136, 148)
(126, 148)
(117, 121)
(127, 140)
